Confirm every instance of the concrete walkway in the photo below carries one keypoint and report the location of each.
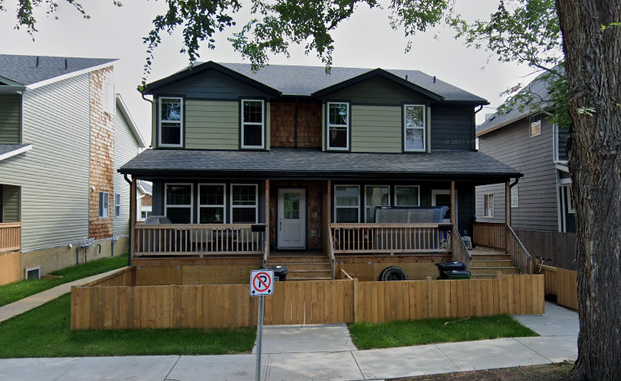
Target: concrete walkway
(320, 353)
(34, 301)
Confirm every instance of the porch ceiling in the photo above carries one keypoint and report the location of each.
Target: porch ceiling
(315, 164)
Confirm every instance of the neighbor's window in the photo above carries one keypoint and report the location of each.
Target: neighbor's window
(488, 205)
(535, 126)
(117, 205)
(244, 204)
(109, 95)
(178, 203)
(253, 124)
(414, 128)
(211, 201)
(170, 121)
(375, 195)
(338, 125)
(407, 195)
(570, 201)
(347, 204)
(514, 197)
(103, 204)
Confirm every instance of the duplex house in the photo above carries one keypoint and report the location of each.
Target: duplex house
(290, 165)
(63, 130)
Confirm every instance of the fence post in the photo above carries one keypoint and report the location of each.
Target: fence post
(500, 301)
(356, 301)
(429, 294)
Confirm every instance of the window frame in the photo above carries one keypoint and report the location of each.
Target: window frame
(514, 197)
(109, 98)
(199, 205)
(181, 122)
(366, 207)
(486, 204)
(191, 206)
(406, 186)
(242, 124)
(347, 126)
(570, 201)
(533, 121)
(117, 205)
(336, 207)
(104, 211)
(405, 127)
(256, 206)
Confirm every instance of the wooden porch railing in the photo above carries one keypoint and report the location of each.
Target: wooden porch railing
(208, 239)
(519, 255)
(389, 238)
(10, 236)
(331, 254)
(460, 251)
(503, 237)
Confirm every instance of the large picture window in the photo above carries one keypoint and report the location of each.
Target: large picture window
(347, 204)
(178, 205)
(170, 121)
(211, 204)
(414, 125)
(338, 125)
(407, 195)
(375, 195)
(253, 124)
(244, 204)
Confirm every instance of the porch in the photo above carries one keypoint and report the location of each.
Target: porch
(10, 236)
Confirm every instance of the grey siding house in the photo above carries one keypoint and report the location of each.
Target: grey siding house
(529, 142)
(59, 121)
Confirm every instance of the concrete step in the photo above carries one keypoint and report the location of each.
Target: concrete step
(491, 263)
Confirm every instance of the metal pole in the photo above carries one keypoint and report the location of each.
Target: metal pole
(259, 339)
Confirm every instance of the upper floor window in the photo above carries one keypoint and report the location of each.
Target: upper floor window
(170, 121)
(415, 122)
(514, 197)
(535, 126)
(109, 96)
(338, 126)
(253, 124)
(561, 135)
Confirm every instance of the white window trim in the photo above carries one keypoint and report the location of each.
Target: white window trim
(570, 201)
(517, 196)
(117, 205)
(555, 133)
(159, 123)
(365, 197)
(530, 128)
(329, 125)
(262, 124)
(143, 209)
(223, 206)
(406, 186)
(104, 212)
(349, 206)
(486, 195)
(191, 206)
(255, 207)
(109, 98)
(424, 128)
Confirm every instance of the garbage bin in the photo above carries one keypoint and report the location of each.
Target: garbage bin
(280, 273)
(455, 274)
(447, 267)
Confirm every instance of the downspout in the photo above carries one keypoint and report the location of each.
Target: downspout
(296, 122)
(129, 257)
(517, 180)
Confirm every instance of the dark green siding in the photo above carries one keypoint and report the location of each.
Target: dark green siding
(452, 127)
(378, 91)
(10, 118)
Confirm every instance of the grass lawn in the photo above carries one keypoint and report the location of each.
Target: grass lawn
(45, 332)
(550, 372)
(418, 332)
(12, 292)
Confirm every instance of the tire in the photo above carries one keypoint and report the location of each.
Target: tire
(393, 273)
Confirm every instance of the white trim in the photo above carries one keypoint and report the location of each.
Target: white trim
(256, 205)
(46, 82)
(198, 201)
(423, 128)
(347, 127)
(406, 186)
(348, 206)
(27, 270)
(485, 215)
(191, 206)
(120, 103)
(517, 196)
(564, 181)
(15, 152)
(117, 204)
(365, 197)
(180, 121)
(244, 124)
(562, 168)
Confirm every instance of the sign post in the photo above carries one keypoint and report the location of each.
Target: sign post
(261, 284)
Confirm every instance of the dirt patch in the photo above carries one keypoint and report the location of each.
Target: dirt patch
(551, 372)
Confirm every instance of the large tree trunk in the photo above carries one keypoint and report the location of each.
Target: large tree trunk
(593, 65)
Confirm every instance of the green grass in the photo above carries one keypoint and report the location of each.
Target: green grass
(45, 332)
(406, 333)
(12, 292)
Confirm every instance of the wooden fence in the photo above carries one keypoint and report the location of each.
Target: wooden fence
(10, 268)
(312, 302)
(559, 247)
(10, 236)
(562, 283)
(489, 234)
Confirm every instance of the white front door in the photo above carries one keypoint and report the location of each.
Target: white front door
(291, 222)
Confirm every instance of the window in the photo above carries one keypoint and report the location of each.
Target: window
(407, 195)
(414, 126)
(375, 195)
(171, 122)
(570, 201)
(338, 126)
(514, 196)
(535, 126)
(103, 204)
(109, 97)
(253, 122)
(178, 203)
(211, 202)
(561, 135)
(488, 205)
(244, 204)
(144, 214)
(117, 205)
(347, 204)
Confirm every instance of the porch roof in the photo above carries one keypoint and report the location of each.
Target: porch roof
(313, 163)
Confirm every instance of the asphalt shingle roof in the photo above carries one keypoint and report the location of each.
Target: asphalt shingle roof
(25, 71)
(314, 162)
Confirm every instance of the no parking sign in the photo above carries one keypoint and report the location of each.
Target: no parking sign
(261, 282)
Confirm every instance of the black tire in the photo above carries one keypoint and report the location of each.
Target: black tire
(393, 273)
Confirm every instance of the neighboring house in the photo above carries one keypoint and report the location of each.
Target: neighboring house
(308, 157)
(528, 141)
(63, 131)
(145, 199)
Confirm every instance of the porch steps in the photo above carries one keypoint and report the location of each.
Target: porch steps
(303, 267)
(487, 262)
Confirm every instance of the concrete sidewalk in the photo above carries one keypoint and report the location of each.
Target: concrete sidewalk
(320, 353)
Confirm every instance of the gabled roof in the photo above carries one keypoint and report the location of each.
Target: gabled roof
(308, 81)
(36, 71)
(10, 150)
(130, 121)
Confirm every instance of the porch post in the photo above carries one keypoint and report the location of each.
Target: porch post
(132, 218)
(453, 203)
(508, 203)
(267, 216)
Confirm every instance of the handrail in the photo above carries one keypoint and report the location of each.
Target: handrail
(331, 254)
(384, 225)
(346, 274)
(519, 254)
(460, 250)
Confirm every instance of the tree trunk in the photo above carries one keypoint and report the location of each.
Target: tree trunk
(593, 65)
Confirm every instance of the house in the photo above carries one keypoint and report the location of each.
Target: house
(289, 165)
(145, 199)
(63, 131)
(526, 139)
